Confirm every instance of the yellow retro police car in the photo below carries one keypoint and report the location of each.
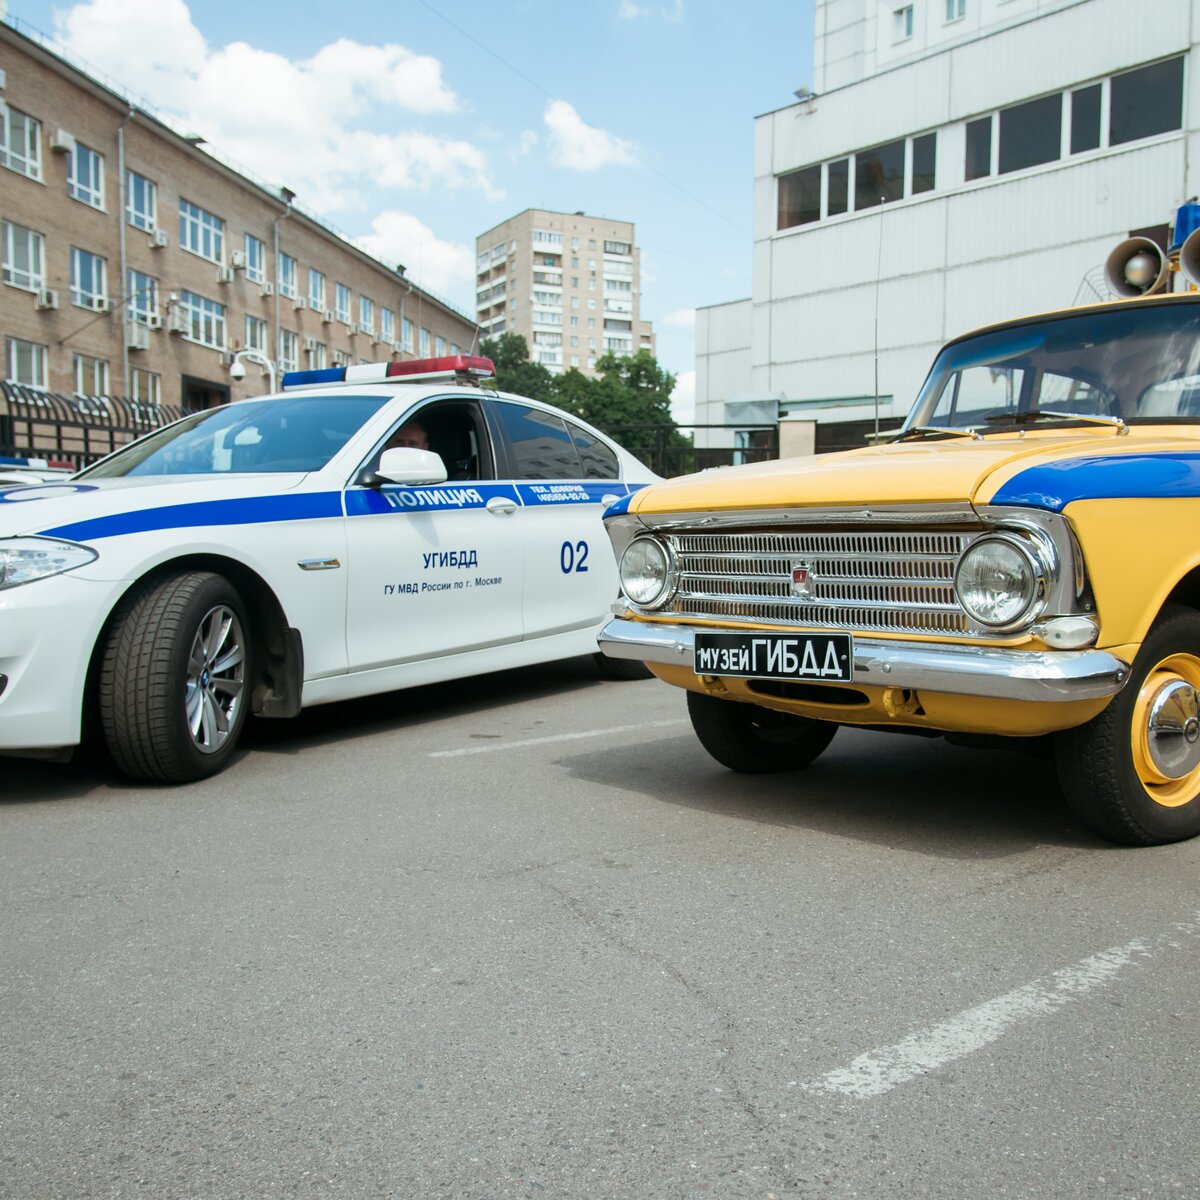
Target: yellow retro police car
(1022, 560)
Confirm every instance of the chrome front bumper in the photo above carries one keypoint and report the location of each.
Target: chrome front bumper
(993, 672)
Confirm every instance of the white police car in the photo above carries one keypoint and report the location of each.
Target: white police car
(276, 553)
(29, 470)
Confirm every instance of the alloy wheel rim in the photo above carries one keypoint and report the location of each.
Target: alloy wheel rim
(215, 681)
(1166, 731)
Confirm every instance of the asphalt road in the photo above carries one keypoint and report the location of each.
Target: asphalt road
(522, 937)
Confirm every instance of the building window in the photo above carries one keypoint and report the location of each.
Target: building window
(256, 258)
(924, 163)
(141, 201)
(316, 289)
(24, 257)
(287, 276)
(878, 175)
(838, 187)
(387, 325)
(342, 294)
(256, 334)
(91, 375)
(424, 344)
(89, 287)
(289, 350)
(366, 314)
(142, 294)
(1030, 134)
(618, 248)
(979, 148)
(1085, 119)
(800, 197)
(20, 143)
(201, 232)
(145, 387)
(314, 355)
(25, 363)
(902, 23)
(955, 10)
(439, 346)
(406, 334)
(85, 176)
(544, 237)
(205, 318)
(1145, 102)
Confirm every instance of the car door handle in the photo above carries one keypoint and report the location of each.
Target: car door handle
(501, 506)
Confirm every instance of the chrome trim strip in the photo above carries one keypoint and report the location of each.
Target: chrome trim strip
(319, 564)
(990, 671)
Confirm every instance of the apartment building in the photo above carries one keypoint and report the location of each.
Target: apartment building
(953, 163)
(570, 284)
(136, 264)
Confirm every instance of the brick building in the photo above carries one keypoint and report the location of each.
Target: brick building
(136, 264)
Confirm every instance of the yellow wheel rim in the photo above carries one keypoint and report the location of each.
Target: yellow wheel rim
(1165, 732)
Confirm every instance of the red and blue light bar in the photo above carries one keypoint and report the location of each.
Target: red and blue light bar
(468, 368)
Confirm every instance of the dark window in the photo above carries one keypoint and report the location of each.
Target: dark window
(878, 175)
(799, 197)
(539, 445)
(924, 163)
(598, 461)
(1031, 134)
(839, 187)
(1085, 119)
(1145, 102)
(979, 148)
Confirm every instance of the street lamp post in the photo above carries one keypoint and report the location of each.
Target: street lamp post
(237, 370)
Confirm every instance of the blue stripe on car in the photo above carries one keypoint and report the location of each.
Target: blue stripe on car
(1115, 476)
(253, 510)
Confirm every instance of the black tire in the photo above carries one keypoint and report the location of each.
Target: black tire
(756, 740)
(621, 668)
(153, 689)
(1112, 768)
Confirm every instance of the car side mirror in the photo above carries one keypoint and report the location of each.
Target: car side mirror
(404, 464)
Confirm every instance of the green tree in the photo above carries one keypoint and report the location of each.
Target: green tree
(514, 372)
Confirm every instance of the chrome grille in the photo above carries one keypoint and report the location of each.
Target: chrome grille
(874, 581)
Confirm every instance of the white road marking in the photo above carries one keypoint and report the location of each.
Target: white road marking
(878, 1071)
(558, 737)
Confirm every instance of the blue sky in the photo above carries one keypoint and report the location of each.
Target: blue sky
(414, 125)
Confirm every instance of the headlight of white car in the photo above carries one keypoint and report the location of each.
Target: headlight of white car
(1001, 582)
(647, 577)
(22, 560)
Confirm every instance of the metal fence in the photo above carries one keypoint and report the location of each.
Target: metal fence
(670, 450)
(73, 430)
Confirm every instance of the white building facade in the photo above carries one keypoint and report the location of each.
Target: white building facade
(957, 162)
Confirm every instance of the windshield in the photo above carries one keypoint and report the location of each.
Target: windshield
(292, 433)
(1139, 364)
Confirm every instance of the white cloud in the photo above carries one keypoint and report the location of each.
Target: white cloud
(296, 123)
(628, 11)
(681, 318)
(397, 237)
(581, 147)
(683, 398)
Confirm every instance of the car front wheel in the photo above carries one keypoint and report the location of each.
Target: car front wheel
(1132, 773)
(175, 679)
(756, 740)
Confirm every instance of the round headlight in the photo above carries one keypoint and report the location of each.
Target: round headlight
(998, 582)
(646, 572)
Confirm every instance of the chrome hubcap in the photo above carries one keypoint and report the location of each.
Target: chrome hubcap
(215, 679)
(1173, 729)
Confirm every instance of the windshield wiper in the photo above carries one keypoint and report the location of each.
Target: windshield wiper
(1032, 415)
(943, 430)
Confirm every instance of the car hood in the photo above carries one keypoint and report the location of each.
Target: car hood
(84, 510)
(935, 471)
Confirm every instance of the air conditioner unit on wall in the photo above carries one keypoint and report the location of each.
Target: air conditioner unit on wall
(159, 239)
(224, 274)
(47, 298)
(267, 289)
(177, 321)
(327, 317)
(237, 260)
(137, 336)
(61, 142)
(310, 343)
(299, 303)
(154, 321)
(101, 304)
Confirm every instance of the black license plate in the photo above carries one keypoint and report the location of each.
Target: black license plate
(821, 657)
